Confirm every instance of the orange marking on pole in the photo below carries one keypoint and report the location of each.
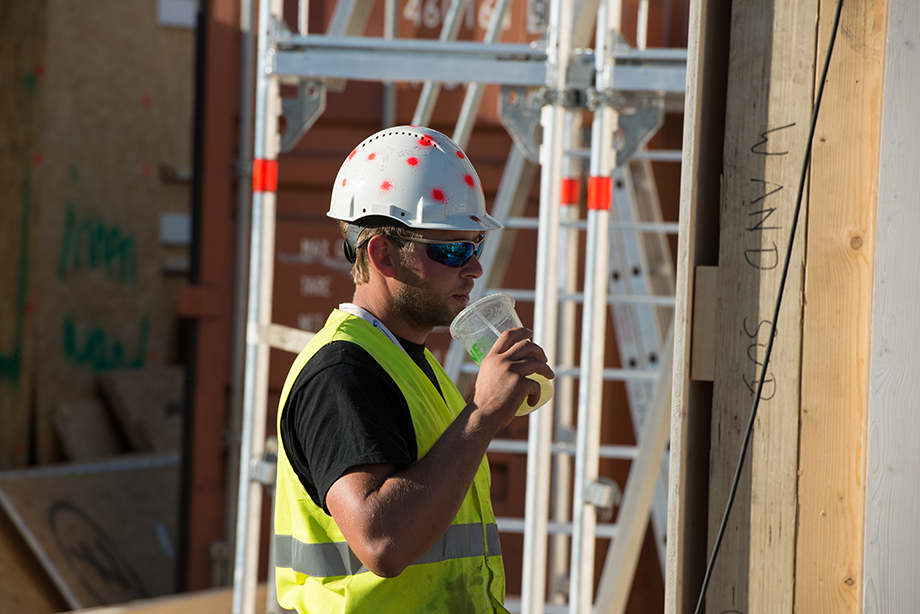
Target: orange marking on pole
(599, 192)
(571, 191)
(264, 175)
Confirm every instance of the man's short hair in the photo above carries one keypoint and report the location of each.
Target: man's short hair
(360, 270)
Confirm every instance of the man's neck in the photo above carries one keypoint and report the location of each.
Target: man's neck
(396, 324)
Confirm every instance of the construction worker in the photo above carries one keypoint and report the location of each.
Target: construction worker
(382, 496)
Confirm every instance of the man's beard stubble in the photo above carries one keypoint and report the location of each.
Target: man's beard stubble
(418, 306)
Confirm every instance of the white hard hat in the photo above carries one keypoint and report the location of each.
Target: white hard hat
(413, 175)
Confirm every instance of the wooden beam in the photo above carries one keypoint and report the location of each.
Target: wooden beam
(701, 168)
(214, 601)
(771, 75)
(835, 350)
(892, 540)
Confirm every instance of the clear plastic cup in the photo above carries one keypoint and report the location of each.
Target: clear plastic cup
(478, 326)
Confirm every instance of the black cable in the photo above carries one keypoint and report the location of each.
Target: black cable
(779, 301)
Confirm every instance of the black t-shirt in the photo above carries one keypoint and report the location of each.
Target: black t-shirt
(344, 410)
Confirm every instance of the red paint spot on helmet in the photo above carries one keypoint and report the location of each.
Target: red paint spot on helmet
(343, 182)
(460, 154)
(424, 141)
(412, 161)
(468, 179)
(438, 195)
(371, 156)
(353, 152)
(385, 186)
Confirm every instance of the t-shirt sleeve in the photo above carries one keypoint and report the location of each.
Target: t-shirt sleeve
(344, 410)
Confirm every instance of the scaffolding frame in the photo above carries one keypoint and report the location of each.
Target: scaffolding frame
(613, 76)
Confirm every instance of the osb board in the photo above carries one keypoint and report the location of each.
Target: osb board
(148, 405)
(24, 585)
(117, 111)
(770, 85)
(105, 533)
(87, 430)
(22, 38)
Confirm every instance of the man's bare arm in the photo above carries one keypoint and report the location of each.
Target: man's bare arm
(391, 516)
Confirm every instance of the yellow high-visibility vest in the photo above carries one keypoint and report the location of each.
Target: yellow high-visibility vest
(316, 571)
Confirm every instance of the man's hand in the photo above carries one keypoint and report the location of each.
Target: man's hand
(502, 384)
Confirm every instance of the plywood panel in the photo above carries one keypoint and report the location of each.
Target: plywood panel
(835, 350)
(24, 585)
(22, 38)
(107, 130)
(105, 533)
(771, 75)
(892, 541)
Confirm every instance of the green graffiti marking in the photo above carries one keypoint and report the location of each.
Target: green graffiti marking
(10, 364)
(97, 349)
(92, 244)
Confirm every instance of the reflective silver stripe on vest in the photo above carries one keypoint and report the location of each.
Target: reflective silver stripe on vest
(337, 559)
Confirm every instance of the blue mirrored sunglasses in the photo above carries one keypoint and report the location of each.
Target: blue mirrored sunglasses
(452, 253)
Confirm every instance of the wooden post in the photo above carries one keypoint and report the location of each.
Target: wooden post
(838, 305)
(701, 168)
(770, 89)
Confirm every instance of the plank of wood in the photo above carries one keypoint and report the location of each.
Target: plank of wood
(215, 601)
(148, 404)
(87, 430)
(893, 460)
(771, 74)
(835, 353)
(24, 584)
(705, 309)
(700, 186)
(105, 532)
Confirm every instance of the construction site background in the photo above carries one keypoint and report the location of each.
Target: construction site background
(119, 175)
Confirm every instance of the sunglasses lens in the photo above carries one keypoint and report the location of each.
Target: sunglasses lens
(453, 254)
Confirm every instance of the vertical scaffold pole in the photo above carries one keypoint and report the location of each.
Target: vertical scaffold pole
(564, 414)
(266, 145)
(546, 306)
(594, 317)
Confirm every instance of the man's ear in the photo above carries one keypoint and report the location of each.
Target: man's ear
(382, 255)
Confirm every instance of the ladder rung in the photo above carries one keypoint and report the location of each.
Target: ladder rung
(516, 525)
(578, 297)
(611, 375)
(515, 605)
(532, 223)
(656, 155)
(519, 446)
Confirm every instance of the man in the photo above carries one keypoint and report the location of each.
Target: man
(383, 486)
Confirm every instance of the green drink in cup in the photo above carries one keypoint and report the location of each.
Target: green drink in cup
(478, 326)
